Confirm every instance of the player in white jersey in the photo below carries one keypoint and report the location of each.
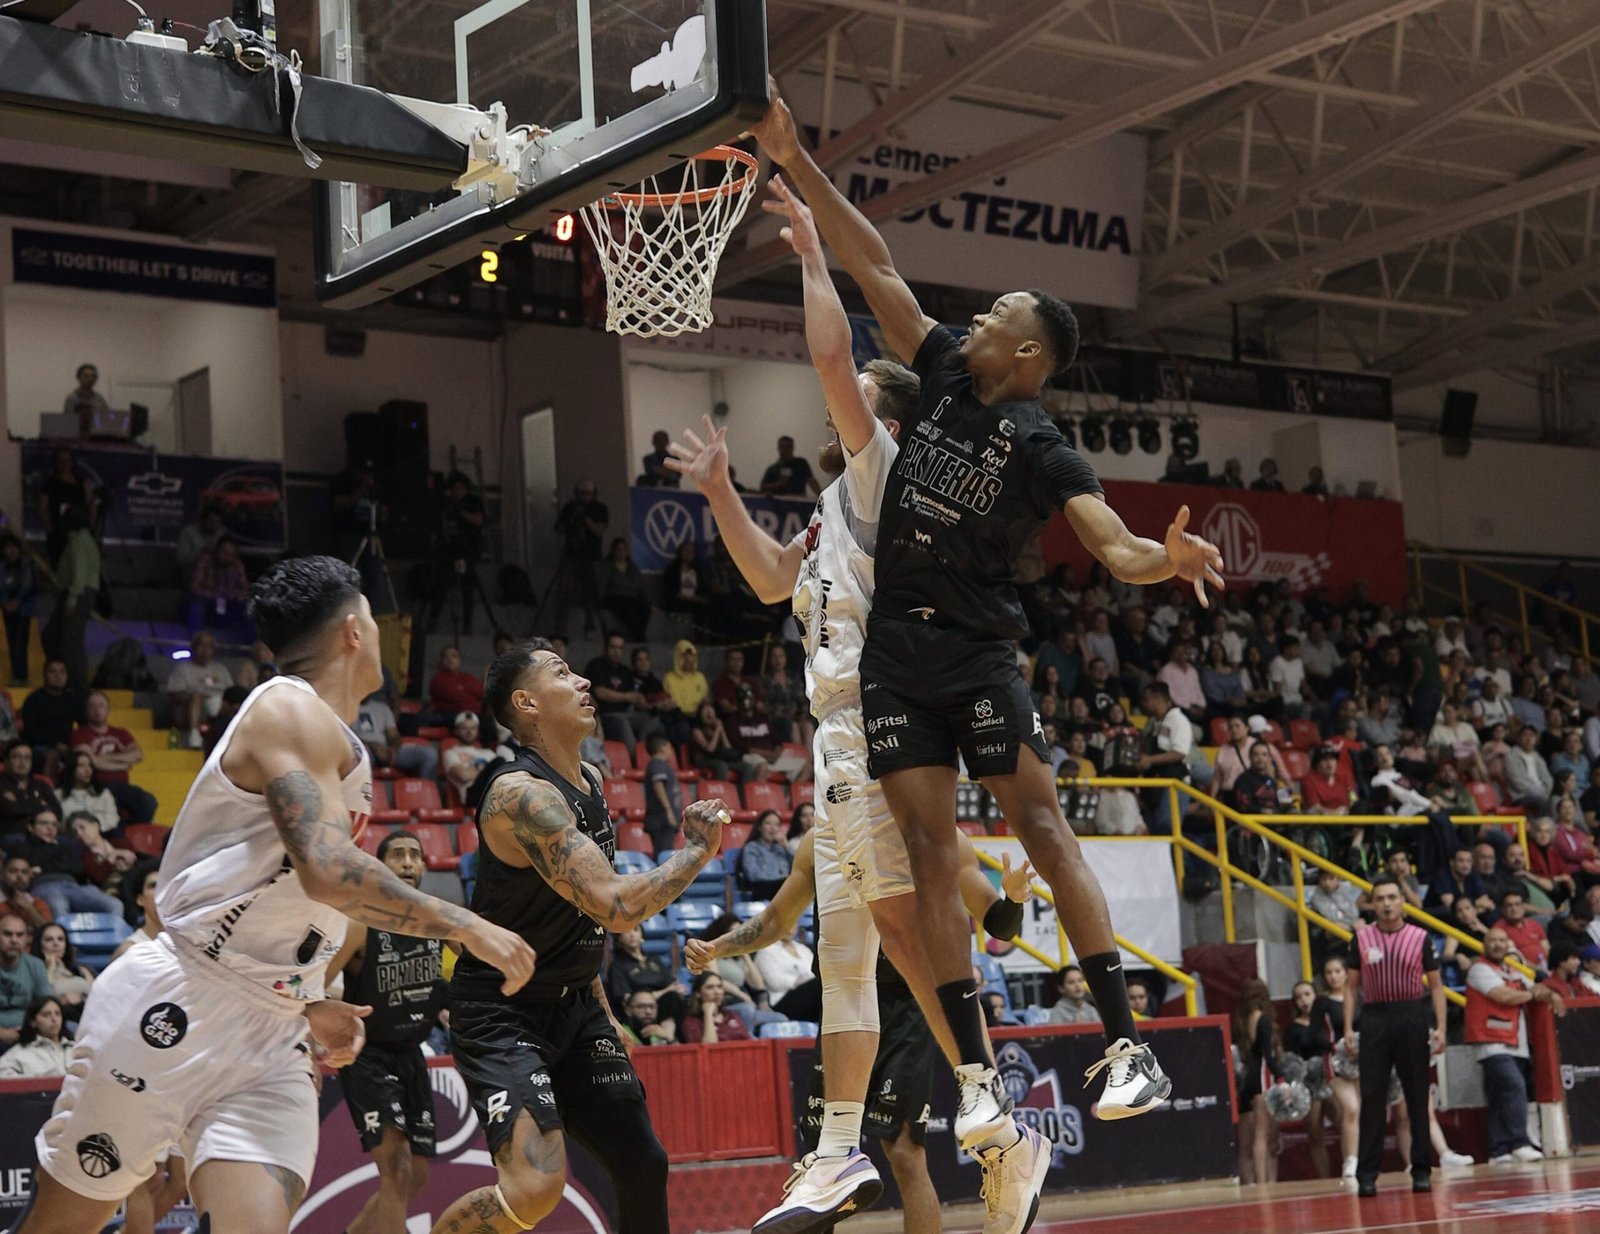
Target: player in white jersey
(206, 1036)
(863, 872)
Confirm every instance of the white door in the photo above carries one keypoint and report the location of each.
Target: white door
(540, 497)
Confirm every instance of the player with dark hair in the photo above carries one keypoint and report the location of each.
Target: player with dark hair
(981, 468)
(547, 1061)
(386, 1088)
(220, 1016)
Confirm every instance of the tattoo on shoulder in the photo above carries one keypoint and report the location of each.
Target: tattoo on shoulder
(295, 803)
(532, 807)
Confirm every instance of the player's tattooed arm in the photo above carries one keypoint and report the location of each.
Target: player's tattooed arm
(538, 821)
(772, 924)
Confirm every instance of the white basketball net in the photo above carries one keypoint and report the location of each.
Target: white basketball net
(660, 245)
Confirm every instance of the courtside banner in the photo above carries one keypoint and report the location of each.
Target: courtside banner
(661, 519)
(1188, 1139)
(1578, 1034)
(1331, 542)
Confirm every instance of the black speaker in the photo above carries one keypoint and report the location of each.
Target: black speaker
(1455, 425)
(405, 424)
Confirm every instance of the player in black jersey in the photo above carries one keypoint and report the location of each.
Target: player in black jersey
(548, 1061)
(902, 1074)
(981, 469)
(387, 1088)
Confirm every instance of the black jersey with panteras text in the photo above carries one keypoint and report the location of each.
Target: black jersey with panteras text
(570, 944)
(971, 486)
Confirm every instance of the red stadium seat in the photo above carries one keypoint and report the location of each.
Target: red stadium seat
(438, 845)
(385, 773)
(625, 797)
(147, 838)
(1274, 734)
(735, 835)
(766, 796)
(384, 815)
(433, 732)
(632, 838)
(719, 788)
(1485, 794)
(407, 707)
(1304, 734)
(421, 798)
(1298, 763)
(1219, 731)
(803, 793)
(467, 837)
(372, 837)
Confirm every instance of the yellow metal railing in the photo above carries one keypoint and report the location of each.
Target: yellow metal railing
(1263, 826)
(1168, 971)
(1527, 597)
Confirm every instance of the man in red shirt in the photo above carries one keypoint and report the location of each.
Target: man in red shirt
(1330, 786)
(114, 750)
(1547, 864)
(1527, 935)
(452, 690)
(733, 692)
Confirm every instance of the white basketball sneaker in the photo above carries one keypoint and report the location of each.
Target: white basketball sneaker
(823, 1190)
(1349, 1170)
(1135, 1083)
(983, 1108)
(1454, 1161)
(1526, 1152)
(1012, 1180)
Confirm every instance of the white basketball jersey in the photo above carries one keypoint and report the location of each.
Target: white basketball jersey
(833, 593)
(227, 888)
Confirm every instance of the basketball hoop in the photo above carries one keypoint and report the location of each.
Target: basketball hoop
(660, 245)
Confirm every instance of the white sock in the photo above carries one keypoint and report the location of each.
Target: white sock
(841, 1128)
(1002, 1139)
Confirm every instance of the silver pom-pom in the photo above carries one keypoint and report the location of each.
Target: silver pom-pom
(1288, 1102)
(1345, 1064)
(1293, 1068)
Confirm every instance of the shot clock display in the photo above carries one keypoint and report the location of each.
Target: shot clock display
(535, 277)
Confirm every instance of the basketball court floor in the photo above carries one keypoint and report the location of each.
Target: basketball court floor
(1556, 1197)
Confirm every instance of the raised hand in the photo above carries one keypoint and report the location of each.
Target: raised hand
(1194, 560)
(801, 233)
(1018, 883)
(776, 131)
(704, 462)
(703, 822)
(698, 955)
(337, 1033)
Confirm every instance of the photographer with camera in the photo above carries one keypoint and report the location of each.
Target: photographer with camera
(461, 518)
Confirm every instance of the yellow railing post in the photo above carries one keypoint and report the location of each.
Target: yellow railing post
(1228, 931)
(1177, 852)
(1300, 918)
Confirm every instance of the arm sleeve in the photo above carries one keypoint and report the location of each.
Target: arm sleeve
(867, 473)
(1056, 472)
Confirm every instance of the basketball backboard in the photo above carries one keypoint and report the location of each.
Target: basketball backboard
(569, 100)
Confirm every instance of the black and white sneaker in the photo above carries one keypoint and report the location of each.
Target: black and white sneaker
(983, 1107)
(1135, 1083)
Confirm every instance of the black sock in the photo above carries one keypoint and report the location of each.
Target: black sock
(1103, 972)
(965, 1017)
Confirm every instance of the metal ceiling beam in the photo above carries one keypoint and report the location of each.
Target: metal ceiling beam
(793, 46)
(1247, 284)
(1402, 133)
(1332, 26)
(1509, 354)
(1004, 36)
(1493, 317)
(1208, 120)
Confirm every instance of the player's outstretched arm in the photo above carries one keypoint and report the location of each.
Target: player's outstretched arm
(1000, 912)
(769, 567)
(772, 924)
(855, 241)
(827, 327)
(1135, 559)
(289, 748)
(535, 818)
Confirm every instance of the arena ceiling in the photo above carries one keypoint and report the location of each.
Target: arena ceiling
(1403, 185)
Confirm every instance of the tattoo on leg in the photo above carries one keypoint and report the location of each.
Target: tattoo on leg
(546, 1152)
(477, 1212)
(294, 1187)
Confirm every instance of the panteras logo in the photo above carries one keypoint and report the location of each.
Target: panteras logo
(1233, 529)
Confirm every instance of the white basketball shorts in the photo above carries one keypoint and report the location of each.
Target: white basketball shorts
(860, 853)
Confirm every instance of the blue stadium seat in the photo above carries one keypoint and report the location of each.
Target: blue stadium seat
(711, 884)
(95, 936)
(1035, 1015)
(658, 935)
(994, 976)
(746, 909)
(789, 1028)
(692, 916)
(629, 862)
(468, 869)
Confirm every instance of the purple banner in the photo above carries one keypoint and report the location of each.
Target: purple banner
(147, 498)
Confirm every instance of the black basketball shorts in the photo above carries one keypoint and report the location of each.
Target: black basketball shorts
(928, 692)
(387, 1086)
(542, 1057)
(901, 1089)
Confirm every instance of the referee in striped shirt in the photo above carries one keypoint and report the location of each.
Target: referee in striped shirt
(1395, 973)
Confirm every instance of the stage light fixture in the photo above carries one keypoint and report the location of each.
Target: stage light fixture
(1149, 435)
(1094, 434)
(1185, 438)
(1121, 434)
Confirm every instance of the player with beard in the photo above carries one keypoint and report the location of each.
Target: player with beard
(981, 469)
(204, 1035)
(387, 1088)
(863, 874)
(547, 1062)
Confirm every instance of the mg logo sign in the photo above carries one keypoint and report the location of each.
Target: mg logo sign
(1233, 529)
(668, 524)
